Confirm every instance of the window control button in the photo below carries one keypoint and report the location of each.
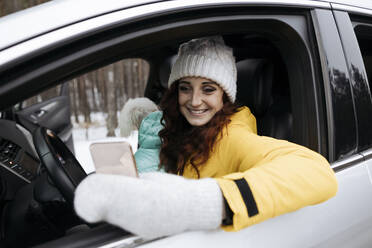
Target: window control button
(26, 174)
(17, 168)
(5, 161)
(9, 163)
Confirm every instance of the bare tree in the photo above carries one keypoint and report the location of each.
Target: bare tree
(112, 120)
(128, 78)
(84, 107)
(92, 87)
(102, 89)
(10, 6)
(119, 76)
(74, 99)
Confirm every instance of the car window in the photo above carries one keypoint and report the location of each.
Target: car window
(363, 33)
(44, 96)
(275, 48)
(98, 96)
(96, 99)
(364, 36)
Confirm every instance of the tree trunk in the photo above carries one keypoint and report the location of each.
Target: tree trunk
(102, 86)
(83, 100)
(139, 76)
(91, 85)
(119, 84)
(129, 78)
(9, 6)
(112, 121)
(135, 78)
(74, 99)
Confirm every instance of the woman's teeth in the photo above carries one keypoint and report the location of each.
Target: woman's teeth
(194, 111)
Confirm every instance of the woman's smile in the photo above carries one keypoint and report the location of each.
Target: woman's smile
(197, 112)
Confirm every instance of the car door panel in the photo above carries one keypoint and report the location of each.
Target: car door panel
(368, 158)
(53, 114)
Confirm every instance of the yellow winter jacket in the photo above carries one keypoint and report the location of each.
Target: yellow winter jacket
(261, 177)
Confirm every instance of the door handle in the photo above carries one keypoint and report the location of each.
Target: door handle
(38, 114)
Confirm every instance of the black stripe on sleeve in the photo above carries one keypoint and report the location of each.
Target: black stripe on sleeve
(247, 196)
(229, 214)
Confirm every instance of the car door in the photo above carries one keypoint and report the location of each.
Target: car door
(53, 113)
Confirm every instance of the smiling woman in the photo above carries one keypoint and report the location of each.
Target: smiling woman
(243, 178)
(206, 112)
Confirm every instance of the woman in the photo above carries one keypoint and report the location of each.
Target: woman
(244, 178)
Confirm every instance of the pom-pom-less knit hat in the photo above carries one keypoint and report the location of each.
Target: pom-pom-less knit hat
(209, 58)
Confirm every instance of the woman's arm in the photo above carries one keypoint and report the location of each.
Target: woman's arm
(275, 177)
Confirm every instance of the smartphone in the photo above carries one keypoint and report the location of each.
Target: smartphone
(114, 158)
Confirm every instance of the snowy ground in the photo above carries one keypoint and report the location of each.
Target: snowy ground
(83, 136)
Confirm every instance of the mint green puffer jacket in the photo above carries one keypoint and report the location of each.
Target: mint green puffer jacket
(149, 143)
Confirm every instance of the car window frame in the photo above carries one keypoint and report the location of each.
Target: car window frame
(341, 117)
(364, 108)
(347, 19)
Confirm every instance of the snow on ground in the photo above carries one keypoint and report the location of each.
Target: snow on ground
(84, 135)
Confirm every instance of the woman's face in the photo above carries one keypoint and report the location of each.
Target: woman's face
(199, 99)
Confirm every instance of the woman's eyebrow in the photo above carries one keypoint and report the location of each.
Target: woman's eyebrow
(204, 83)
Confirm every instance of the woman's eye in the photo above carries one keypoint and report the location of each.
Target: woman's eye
(183, 88)
(209, 89)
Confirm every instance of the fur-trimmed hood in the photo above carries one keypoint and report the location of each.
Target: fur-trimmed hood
(132, 114)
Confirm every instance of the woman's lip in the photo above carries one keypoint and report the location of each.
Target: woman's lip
(197, 111)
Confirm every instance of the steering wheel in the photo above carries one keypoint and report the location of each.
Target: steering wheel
(61, 164)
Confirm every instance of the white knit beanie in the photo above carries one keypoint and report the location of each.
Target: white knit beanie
(209, 58)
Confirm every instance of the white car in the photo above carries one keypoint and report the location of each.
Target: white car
(304, 69)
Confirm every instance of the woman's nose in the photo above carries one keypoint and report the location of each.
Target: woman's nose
(196, 99)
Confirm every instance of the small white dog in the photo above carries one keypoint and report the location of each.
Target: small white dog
(132, 114)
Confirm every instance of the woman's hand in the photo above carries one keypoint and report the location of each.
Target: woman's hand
(155, 205)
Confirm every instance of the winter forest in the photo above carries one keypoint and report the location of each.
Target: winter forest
(102, 91)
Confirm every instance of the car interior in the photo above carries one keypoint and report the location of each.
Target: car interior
(39, 172)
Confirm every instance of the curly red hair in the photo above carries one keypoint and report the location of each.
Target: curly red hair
(182, 142)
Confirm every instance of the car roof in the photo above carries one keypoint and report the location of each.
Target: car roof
(366, 4)
(52, 15)
(32, 22)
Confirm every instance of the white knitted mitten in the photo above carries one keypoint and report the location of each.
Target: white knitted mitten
(155, 205)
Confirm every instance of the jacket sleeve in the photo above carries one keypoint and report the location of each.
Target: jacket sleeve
(275, 177)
